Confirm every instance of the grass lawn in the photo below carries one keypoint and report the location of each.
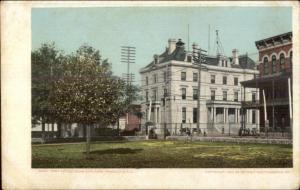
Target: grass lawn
(162, 154)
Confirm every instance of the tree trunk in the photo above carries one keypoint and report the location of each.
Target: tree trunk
(118, 127)
(88, 139)
(43, 129)
(59, 130)
(84, 131)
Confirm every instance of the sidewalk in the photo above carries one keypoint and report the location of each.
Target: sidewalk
(233, 139)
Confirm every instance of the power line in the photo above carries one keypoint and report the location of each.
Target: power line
(199, 58)
(128, 57)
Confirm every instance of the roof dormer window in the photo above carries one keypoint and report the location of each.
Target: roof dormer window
(224, 63)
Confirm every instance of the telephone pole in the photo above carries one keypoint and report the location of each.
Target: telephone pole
(128, 57)
(198, 58)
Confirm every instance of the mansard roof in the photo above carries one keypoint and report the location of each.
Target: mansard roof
(179, 54)
(245, 62)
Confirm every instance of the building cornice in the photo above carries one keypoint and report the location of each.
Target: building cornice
(154, 67)
(274, 41)
(274, 47)
(232, 70)
(203, 67)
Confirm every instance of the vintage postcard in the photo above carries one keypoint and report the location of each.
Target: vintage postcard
(150, 95)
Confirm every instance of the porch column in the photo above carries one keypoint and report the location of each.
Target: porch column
(257, 116)
(158, 115)
(247, 113)
(250, 116)
(162, 115)
(236, 115)
(214, 115)
(224, 115)
(159, 118)
(211, 117)
(257, 120)
(155, 115)
(208, 115)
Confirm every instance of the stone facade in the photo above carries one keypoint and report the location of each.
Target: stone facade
(170, 83)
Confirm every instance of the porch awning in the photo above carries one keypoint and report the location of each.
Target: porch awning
(265, 80)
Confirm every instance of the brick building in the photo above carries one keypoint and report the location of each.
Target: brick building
(131, 121)
(275, 72)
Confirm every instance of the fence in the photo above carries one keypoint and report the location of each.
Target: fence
(214, 130)
(162, 130)
(182, 129)
(285, 132)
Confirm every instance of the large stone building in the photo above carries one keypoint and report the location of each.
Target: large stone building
(177, 88)
(275, 66)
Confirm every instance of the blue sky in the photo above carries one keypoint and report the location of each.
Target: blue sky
(149, 28)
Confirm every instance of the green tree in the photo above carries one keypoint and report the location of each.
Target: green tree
(132, 93)
(87, 93)
(45, 67)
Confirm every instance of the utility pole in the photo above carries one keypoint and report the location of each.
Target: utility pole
(265, 114)
(165, 102)
(198, 58)
(290, 105)
(169, 91)
(128, 57)
(188, 37)
(208, 48)
(51, 79)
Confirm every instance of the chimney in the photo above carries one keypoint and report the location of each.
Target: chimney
(155, 57)
(195, 46)
(235, 56)
(172, 45)
(180, 44)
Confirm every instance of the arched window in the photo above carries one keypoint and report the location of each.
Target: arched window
(265, 65)
(282, 61)
(273, 64)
